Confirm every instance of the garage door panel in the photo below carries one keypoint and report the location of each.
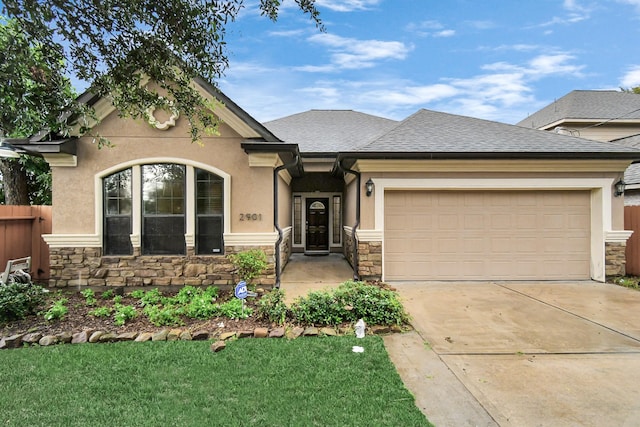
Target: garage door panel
(480, 235)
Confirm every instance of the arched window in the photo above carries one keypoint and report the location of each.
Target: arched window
(168, 200)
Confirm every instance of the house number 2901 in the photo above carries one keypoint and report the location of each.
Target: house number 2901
(250, 217)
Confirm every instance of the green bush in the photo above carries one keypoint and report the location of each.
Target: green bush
(100, 312)
(163, 316)
(123, 313)
(89, 297)
(58, 310)
(152, 297)
(272, 307)
(348, 303)
(233, 309)
(18, 300)
(249, 264)
(108, 294)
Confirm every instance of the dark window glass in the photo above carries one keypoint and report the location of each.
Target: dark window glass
(163, 206)
(209, 213)
(297, 220)
(117, 216)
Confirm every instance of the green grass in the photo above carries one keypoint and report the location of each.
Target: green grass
(268, 382)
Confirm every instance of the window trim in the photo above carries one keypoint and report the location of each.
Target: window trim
(136, 182)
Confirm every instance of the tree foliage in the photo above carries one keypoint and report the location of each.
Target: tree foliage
(118, 44)
(34, 95)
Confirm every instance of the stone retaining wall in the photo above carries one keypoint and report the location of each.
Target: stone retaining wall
(83, 266)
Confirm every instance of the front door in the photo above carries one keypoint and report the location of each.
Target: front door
(317, 225)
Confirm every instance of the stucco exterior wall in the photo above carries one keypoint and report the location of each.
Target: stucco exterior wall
(74, 195)
(603, 132)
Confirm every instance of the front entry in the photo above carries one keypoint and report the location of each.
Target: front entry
(317, 239)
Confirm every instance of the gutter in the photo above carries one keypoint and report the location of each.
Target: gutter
(295, 162)
(354, 230)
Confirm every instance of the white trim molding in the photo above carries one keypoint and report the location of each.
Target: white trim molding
(250, 239)
(370, 235)
(617, 236)
(601, 203)
(73, 240)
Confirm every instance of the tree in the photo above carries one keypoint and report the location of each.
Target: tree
(34, 94)
(119, 44)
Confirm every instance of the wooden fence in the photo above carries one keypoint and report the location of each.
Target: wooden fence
(21, 230)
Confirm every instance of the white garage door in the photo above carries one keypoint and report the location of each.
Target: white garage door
(487, 235)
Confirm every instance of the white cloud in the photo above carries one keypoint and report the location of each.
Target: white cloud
(429, 28)
(575, 12)
(347, 5)
(632, 77)
(287, 33)
(348, 53)
(445, 33)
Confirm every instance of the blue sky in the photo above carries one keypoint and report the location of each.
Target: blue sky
(493, 59)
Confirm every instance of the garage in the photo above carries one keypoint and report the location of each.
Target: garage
(487, 235)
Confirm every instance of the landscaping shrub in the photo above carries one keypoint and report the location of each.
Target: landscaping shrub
(18, 300)
(249, 264)
(348, 303)
(58, 310)
(272, 307)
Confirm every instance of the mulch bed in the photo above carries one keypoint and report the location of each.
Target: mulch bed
(78, 319)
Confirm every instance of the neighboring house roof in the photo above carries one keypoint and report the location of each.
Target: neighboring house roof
(329, 131)
(588, 106)
(434, 134)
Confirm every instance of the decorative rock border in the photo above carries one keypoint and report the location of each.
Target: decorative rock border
(177, 334)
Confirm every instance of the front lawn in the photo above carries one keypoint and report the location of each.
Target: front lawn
(262, 382)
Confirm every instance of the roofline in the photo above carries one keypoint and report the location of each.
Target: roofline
(508, 155)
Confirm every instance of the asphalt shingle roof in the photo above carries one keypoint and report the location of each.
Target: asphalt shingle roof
(435, 132)
(329, 131)
(632, 174)
(593, 105)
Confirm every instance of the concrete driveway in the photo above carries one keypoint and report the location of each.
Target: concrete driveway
(522, 354)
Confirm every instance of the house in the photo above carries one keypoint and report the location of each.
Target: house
(433, 197)
(601, 115)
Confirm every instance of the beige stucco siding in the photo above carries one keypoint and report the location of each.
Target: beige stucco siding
(284, 202)
(134, 141)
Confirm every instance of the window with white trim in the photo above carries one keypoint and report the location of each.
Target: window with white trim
(168, 197)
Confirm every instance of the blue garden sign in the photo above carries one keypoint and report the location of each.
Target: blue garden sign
(241, 290)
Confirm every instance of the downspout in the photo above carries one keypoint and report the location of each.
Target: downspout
(356, 275)
(276, 211)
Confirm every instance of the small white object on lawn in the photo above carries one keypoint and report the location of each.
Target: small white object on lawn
(358, 349)
(360, 325)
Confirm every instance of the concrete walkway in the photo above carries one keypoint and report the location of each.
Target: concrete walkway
(508, 354)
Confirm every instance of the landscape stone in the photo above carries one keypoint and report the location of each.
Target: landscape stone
(311, 331)
(200, 336)
(3, 344)
(330, 332)
(48, 340)
(32, 338)
(127, 336)
(143, 337)
(379, 329)
(65, 337)
(95, 337)
(13, 341)
(108, 337)
(226, 335)
(260, 332)
(160, 336)
(276, 333)
(396, 328)
(218, 346)
(295, 332)
(174, 334)
(185, 336)
(80, 337)
(244, 334)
